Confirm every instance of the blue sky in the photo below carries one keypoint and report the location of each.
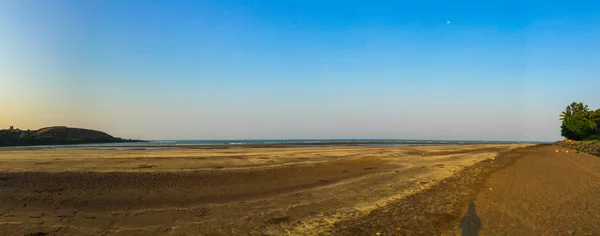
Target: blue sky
(500, 70)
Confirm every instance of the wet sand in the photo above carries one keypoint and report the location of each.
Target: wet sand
(248, 191)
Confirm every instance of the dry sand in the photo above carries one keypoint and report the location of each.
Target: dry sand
(543, 193)
(529, 191)
(246, 191)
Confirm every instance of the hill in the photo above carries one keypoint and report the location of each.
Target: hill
(55, 135)
(66, 132)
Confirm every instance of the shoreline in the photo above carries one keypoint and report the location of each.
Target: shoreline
(154, 146)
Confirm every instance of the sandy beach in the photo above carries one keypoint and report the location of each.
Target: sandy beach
(337, 190)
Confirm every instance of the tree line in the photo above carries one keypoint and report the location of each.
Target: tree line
(580, 123)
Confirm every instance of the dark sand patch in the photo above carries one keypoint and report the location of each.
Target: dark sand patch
(132, 190)
(145, 166)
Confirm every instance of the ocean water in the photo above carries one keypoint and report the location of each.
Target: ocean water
(165, 144)
(317, 141)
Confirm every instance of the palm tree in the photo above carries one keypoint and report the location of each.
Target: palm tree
(565, 115)
(582, 108)
(591, 118)
(578, 108)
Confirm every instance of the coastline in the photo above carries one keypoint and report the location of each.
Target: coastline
(210, 144)
(66, 143)
(56, 135)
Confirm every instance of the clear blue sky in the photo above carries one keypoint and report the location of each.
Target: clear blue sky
(213, 69)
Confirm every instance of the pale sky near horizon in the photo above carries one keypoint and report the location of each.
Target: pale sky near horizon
(241, 69)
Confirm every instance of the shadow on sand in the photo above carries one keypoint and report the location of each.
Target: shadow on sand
(470, 224)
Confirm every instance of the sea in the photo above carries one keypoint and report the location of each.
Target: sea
(168, 144)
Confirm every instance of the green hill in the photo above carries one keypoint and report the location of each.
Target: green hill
(55, 135)
(66, 132)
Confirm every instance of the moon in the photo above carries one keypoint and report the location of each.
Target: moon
(447, 22)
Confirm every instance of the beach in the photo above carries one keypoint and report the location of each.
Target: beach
(324, 190)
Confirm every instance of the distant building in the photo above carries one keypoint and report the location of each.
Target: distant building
(11, 127)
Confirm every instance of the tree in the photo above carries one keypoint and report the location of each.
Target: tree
(597, 119)
(25, 136)
(579, 122)
(578, 107)
(566, 114)
(576, 128)
(590, 118)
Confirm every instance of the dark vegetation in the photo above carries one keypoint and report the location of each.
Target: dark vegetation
(55, 136)
(581, 127)
(580, 123)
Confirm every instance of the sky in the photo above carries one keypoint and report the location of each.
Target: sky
(225, 69)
